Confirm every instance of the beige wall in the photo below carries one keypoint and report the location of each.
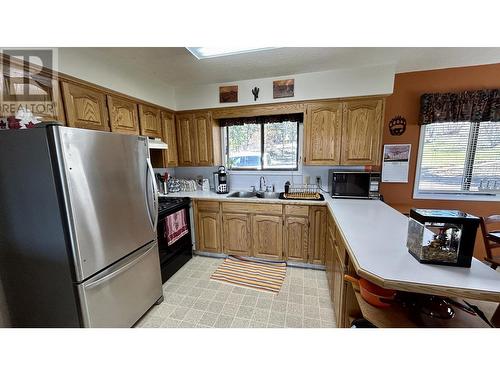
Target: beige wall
(373, 80)
(81, 63)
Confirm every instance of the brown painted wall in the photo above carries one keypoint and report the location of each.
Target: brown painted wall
(405, 101)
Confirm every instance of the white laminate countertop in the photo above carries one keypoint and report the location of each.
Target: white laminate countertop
(375, 235)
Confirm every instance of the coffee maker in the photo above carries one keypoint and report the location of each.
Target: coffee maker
(221, 183)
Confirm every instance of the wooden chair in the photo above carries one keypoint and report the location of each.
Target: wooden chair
(489, 243)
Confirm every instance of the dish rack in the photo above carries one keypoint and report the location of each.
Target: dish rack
(303, 191)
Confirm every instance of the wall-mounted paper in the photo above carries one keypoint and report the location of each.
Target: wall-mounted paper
(396, 163)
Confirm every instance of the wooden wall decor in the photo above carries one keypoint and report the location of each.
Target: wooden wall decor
(228, 94)
(397, 125)
(283, 88)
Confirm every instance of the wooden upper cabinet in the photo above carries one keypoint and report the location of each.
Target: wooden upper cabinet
(362, 132)
(322, 133)
(296, 238)
(267, 236)
(85, 107)
(170, 137)
(150, 121)
(237, 238)
(123, 115)
(203, 139)
(185, 140)
(317, 235)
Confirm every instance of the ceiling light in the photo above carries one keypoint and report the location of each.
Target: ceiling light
(208, 52)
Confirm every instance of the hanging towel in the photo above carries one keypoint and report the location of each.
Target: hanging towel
(175, 226)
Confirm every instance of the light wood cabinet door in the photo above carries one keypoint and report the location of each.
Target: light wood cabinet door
(296, 238)
(237, 238)
(85, 107)
(339, 289)
(317, 235)
(185, 140)
(123, 115)
(322, 134)
(329, 249)
(267, 236)
(209, 227)
(150, 121)
(362, 132)
(170, 137)
(203, 139)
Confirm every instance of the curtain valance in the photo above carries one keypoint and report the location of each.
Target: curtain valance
(293, 117)
(466, 106)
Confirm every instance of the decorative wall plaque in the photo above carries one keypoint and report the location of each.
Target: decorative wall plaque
(397, 126)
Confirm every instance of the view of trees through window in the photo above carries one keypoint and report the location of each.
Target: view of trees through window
(263, 146)
(460, 157)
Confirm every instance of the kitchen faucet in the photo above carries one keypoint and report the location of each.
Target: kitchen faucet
(262, 178)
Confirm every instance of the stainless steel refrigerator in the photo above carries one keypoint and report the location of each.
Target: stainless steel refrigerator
(78, 213)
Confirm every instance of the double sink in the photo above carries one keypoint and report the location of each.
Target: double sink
(254, 194)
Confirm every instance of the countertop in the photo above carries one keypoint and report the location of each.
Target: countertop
(375, 235)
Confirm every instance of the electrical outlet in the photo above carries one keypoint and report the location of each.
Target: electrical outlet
(318, 180)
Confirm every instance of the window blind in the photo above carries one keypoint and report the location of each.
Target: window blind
(460, 157)
(486, 167)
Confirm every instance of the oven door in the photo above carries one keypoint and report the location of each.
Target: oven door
(351, 185)
(178, 235)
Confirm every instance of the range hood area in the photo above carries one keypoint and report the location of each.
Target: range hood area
(157, 144)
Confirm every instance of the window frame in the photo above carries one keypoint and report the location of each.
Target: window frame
(225, 154)
(460, 196)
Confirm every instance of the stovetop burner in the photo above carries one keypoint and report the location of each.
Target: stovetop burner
(167, 204)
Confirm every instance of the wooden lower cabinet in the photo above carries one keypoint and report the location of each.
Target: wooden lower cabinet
(317, 235)
(336, 268)
(267, 237)
(329, 249)
(339, 289)
(237, 237)
(209, 226)
(296, 238)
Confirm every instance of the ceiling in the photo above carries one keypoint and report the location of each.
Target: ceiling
(176, 66)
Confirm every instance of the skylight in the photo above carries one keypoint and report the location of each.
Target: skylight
(208, 52)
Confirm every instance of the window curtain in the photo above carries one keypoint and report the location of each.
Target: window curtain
(293, 117)
(466, 106)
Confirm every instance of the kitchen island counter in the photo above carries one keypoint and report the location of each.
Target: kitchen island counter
(375, 237)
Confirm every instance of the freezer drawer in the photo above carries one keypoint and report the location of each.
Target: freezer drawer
(120, 295)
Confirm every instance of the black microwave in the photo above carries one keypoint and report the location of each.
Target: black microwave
(354, 184)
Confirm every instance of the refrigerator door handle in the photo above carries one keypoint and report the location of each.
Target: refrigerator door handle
(113, 271)
(154, 220)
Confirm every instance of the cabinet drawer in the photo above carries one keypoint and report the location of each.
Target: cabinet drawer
(253, 208)
(207, 206)
(296, 210)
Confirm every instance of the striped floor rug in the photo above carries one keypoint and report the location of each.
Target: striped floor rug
(260, 275)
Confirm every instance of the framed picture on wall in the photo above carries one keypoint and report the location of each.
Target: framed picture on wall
(228, 94)
(283, 88)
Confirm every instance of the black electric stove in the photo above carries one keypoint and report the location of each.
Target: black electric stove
(175, 255)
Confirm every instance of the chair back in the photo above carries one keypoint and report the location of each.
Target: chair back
(490, 224)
